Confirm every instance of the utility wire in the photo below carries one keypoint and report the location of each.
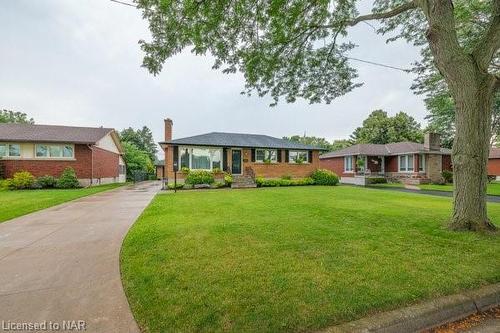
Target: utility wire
(124, 3)
(381, 65)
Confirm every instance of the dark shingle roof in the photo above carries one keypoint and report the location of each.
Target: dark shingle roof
(220, 139)
(52, 133)
(494, 153)
(381, 150)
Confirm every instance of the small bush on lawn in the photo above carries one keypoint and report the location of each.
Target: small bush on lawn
(68, 179)
(377, 180)
(21, 180)
(447, 176)
(324, 177)
(196, 177)
(172, 186)
(46, 182)
(262, 182)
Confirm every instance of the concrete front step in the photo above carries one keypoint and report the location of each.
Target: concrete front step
(243, 182)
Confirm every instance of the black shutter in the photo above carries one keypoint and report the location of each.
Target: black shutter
(253, 154)
(287, 156)
(279, 155)
(310, 156)
(176, 157)
(224, 159)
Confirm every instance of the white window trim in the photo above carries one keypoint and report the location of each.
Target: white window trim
(406, 158)
(7, 156)
(55, 157)
(422, 156)
(352, 164)
(299, 151)
(260, 149)
(190, 148)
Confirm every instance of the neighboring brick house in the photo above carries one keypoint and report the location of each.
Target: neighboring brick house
(94, 153)
(410, 162)
(246, 156)
(494, 162)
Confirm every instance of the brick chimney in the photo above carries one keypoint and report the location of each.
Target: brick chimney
(432, 141)
(168, 129)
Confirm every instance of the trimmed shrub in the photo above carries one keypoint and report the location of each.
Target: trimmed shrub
(172, 186)
(218, 185)
(376, 180)
(68, 179)
(196, 177)
(228, 179)
(447, 176)
(288, 177)
(21, 180)
(262, 182)
(46, 182)
(324, 177)
(185, 170)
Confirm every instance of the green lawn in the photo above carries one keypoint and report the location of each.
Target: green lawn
(493, 188)
(17, 203)
(295, 259)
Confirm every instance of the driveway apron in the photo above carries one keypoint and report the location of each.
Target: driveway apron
(60, 266)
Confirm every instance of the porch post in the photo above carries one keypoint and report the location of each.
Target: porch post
(382, 168)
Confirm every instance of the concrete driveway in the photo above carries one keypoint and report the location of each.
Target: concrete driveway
(62, 264)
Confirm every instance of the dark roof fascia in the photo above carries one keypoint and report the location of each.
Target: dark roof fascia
(434, 152)
(163, 143)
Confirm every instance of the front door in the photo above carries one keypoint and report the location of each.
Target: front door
(236, 162)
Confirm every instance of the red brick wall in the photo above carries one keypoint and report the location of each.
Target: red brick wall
(494, 167)
(105, 164)
(335, 164)
(447, 163)
(391, 164)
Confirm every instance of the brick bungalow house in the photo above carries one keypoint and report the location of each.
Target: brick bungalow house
(94, 153)
(245, 156)
(494, 162)
(410, 162)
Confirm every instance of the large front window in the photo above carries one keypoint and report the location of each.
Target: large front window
(348, 164)
(10, 150)
(298, 156)
(266, 155)
(200, 158)
(54, 151)
(405, 163)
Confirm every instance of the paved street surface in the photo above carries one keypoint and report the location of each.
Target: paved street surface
(62, 264)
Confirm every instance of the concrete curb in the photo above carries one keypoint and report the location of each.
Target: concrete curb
(425, 315)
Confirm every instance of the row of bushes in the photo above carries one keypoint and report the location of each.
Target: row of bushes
(23, 180)
(318, 177)
(198, 177)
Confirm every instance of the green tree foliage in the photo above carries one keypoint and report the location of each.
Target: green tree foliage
(142, 139)
(310, 140)
(340, 144)
(137, 160)
(7, 116)
(380, 128)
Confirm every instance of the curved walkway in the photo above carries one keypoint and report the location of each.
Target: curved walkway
(62, 263)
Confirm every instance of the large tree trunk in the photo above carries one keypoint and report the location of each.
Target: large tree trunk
(470, 153)
(472, 90)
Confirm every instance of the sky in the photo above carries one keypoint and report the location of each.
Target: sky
(77, 62)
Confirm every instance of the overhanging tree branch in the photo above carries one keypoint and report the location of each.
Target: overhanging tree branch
(490, 43)
(377, 16)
